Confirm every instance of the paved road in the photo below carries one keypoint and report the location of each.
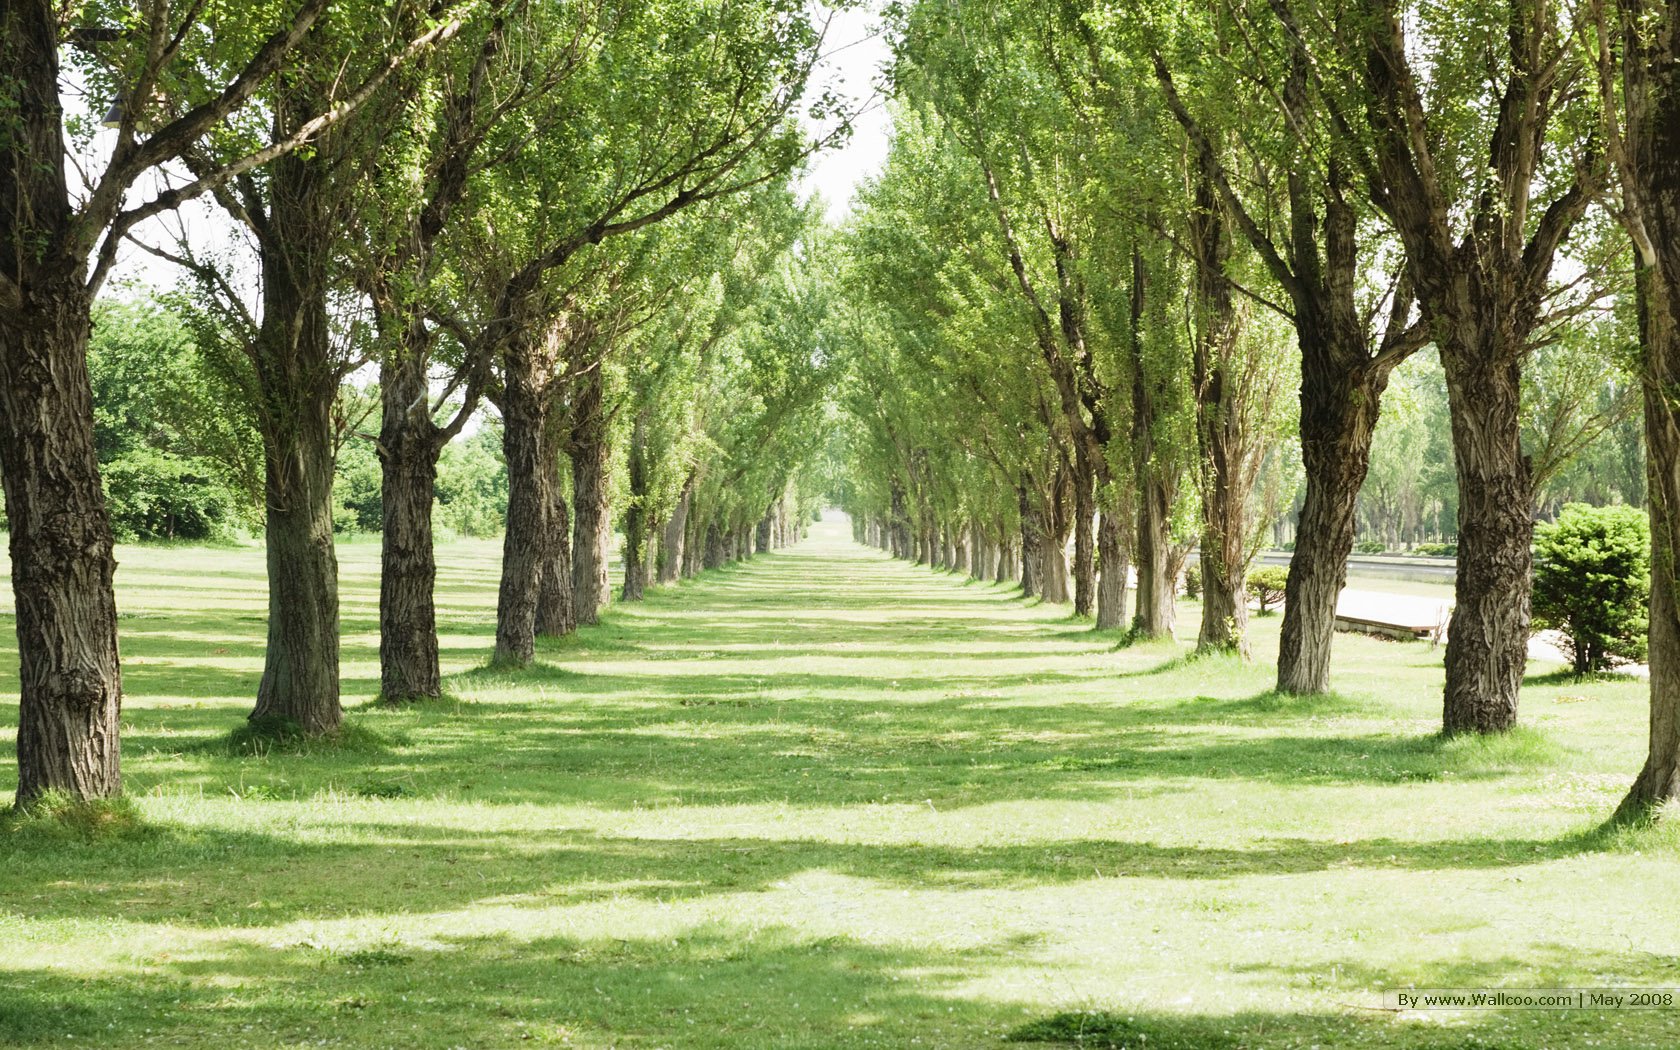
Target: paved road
(1425, 570)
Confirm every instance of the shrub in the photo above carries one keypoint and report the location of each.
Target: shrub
(1193, 581)
(1370, 547)
(1266, 585)
(1592, 583)
(1436, 550)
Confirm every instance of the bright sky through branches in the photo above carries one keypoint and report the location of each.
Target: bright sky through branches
(855, 55)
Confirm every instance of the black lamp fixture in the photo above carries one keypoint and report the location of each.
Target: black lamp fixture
(113, 117)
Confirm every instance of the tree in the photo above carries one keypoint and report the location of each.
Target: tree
(1639, 95)
(1592, 575)
(1482, 189)
(307, 336)
(1316, 243)
(55, 253)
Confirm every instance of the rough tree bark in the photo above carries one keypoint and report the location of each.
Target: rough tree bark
(298, 375)
(1084, 552)
(1113, 569)
(526, 543)
(1483, 295)
(62, 563)
(1649, 161)
(409, 446)
(556, 615)
(1032, 529)
(715, 553)
(1226, 473)
(671, 545)
(635, 514)
(591, 515)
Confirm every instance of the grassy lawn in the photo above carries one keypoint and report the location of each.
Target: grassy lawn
(825, 799)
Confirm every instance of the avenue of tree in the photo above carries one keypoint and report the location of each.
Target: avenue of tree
(1139, 280)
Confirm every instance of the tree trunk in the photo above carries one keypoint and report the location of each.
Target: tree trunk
(556, 614)
(409, 446)
(1226, 473)
(1224, 601)
(298, 377)
(1339, 412)
(1656, 139)
(1053, 571)
(671, 547)
(1031, 545)
(591, 519)
(1487, 638)
(1659, 779)
(526, 543)
(1113, 571)
(70, 680)
(1084, 554)
(715, 553)
(635, 515)
(1157, 591)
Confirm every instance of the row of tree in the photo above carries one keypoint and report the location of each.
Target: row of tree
(1109, 238)
(579, 213)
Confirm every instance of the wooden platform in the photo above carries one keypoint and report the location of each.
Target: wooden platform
(1392, 615)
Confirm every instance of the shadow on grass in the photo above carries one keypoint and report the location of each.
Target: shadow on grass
(711, 986)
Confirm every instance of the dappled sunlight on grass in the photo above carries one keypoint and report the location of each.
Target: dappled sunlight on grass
(823, 798)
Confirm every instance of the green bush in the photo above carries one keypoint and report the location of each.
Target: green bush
(1437, 550)
(1266, 585)
(1370, 547)
(1193, 581)
(1592, 583)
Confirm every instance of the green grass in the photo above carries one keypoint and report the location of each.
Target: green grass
(821, 799)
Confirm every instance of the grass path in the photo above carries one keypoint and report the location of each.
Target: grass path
(825, 799)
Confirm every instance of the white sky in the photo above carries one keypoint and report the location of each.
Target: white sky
(857, 55)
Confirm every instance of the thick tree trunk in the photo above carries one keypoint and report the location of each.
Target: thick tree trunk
(715, 552)
(70, 681)
(62, 564)
(1226, 468)
(1032, 562)
(671, 547)
(528, 539)
(1224, 601)
(298, 376)
(636, 516)
(300, 671)
(1113, 571)
(556, 613)
(1054, 567)
(1487, 638)
(1084, 553)
(409, 446)
(1656, 138)
(1338, 416)
(1659, 780)
(591, 518)
(1157, 590)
